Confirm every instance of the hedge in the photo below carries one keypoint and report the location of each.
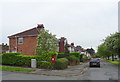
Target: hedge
(60, 55)
(15, 59)
(61, 63)
(45, 65)
(72, 58)
(81, 57)
(63, 55)
(85, 58)
(76, 54)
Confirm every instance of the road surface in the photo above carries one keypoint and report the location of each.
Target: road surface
(107, 71)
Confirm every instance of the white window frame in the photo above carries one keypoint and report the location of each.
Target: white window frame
(20, 40)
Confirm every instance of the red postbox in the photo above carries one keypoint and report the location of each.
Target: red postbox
(53, 58)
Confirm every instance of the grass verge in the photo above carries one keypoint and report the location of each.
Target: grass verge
(116, 62)
(14, 69)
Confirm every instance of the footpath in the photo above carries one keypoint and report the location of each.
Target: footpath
(70, 71)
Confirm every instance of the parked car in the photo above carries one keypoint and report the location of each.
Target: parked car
(94, 62)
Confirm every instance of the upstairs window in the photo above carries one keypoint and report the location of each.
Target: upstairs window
(20, 40)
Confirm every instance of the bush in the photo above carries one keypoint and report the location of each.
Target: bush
(61, 55)
(96, 56)
(76, 54)
(85, 58)
(73, 59)
(15, 59)
(61, 63)
(45, 65)
(81, 57)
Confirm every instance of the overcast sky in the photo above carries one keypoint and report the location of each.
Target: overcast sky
(84, 22)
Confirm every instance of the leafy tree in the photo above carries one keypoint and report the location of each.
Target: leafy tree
(91, 51)
(46, 42)
(112, 43)
(103, 52)
(5, 48)
(67, 52)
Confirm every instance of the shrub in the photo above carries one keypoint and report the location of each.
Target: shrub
(0, 58)
(96, 56)
(9, 58)
(60, 55)
(23, 60)
(61, 63)
(85, 58)
(81, 57)
(76, 54)
(45, 65)
(73, 59)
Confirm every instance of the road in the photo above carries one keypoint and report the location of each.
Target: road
(107, 71)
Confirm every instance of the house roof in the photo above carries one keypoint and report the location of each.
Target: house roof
(31, 32)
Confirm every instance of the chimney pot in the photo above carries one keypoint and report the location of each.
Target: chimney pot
(40, 26)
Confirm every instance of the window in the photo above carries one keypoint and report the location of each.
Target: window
(20, 40)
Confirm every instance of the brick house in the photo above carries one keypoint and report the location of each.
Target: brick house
(26, 42)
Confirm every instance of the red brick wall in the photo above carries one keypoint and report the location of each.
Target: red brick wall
(61, 45)
(27, 48)
(29, 45)
(12, 44)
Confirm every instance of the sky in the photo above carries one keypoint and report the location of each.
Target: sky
(82, 22)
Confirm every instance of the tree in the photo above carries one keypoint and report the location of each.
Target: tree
(103, 52)
(91, 51)
(67, 52)
(46, 42)
(112, 43)
(4, 48)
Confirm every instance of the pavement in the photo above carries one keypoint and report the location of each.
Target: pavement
(43, 74)
(70, 71)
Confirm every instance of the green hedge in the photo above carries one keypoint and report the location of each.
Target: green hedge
(45, 65)
(85, 58)
(76, 54)
(61, 63)
(61, 55)
(73, 58)
(15, 59)
(96, 56)
(81, 57)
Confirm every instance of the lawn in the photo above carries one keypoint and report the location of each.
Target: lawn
(14, 69)
(116, 62)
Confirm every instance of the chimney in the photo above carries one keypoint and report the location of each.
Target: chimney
(40, 26)
(61, 45)
(72, 44)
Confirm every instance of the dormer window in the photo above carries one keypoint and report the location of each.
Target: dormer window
(20, 40)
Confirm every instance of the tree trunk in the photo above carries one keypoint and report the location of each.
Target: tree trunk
(112, 57)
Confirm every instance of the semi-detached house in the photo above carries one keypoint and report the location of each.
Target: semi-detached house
(26, 41)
